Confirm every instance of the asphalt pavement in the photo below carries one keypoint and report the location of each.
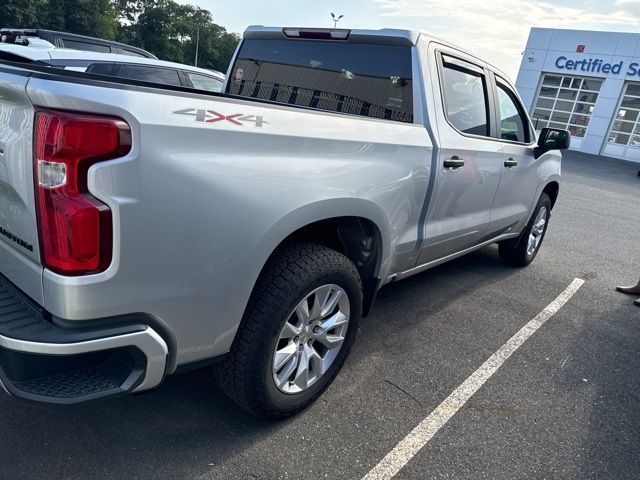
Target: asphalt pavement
(565, 405)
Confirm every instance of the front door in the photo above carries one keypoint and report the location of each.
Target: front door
(520, 169)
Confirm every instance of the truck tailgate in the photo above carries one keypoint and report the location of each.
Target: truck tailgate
(19, 251)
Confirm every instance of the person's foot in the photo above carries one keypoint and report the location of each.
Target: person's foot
(637, 302)
(634, 290)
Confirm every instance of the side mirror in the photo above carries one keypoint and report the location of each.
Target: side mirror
(552, 139)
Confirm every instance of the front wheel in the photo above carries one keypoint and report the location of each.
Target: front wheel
(525, 250)
(297, 331)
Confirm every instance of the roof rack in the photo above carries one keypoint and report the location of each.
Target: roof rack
(22, 36)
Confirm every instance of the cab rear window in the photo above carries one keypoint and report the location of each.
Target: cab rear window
(360, 79)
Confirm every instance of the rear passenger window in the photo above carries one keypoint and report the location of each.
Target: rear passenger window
(165, 76)
(513, 123)
(203, 82)
(465, 96)
(85, 46)
(100, 68)
(132, 53)
(367, 80)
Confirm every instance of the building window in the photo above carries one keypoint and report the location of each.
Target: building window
(566, 102)
(625, 129)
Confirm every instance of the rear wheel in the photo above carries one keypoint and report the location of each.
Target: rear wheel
(296, 333)
(522, 252)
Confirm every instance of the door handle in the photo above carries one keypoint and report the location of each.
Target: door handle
(453, 162)
(510, 163)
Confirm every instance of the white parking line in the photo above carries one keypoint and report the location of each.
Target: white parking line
(404, 451)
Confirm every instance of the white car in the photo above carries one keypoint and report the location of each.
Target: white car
(114, 64)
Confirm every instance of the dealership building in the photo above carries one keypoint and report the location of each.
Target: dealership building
(587, 82)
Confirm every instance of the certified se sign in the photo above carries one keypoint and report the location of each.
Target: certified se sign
(597, 65)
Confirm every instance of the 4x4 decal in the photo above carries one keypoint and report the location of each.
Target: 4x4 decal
(211, 116)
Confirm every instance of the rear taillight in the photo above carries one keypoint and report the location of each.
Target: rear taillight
(75, 227)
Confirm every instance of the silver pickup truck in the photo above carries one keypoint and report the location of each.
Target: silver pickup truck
(147, 229)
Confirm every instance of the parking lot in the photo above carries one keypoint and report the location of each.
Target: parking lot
(566, 404)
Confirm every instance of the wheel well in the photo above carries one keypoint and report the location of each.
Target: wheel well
(552, 189)
(355, 237)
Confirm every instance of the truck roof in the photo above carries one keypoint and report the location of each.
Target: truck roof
(383, 36)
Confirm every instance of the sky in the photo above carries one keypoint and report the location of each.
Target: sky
(495, 30)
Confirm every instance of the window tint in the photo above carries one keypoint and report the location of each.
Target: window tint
(203, 82)
(100, 68)
(368, 80)
(145, 73)
(85, 46)
(513, 123)
(465, 97)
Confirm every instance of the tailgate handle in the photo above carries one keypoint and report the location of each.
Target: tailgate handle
(453, 162)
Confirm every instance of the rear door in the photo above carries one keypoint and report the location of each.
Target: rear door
(470, 158)
(520, 171)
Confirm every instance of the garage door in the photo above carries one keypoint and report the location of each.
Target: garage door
(566, 101)
(623, 139)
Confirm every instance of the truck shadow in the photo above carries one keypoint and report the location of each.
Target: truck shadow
(188, 428)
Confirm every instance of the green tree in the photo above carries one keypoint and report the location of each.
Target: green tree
(96, 18)
(169, 30)
(54, 13)
(164, 27)
(158, 28)
(215, 44)
(20, 13)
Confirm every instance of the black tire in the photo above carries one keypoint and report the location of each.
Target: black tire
(515, 252)
(294, 271)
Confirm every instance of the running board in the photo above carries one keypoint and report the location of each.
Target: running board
(440, 261)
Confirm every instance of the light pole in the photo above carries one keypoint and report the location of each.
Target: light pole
(336, 20)
(197, 45)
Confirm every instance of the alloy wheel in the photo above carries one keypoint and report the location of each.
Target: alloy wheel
(537, 231)
(310, 339)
